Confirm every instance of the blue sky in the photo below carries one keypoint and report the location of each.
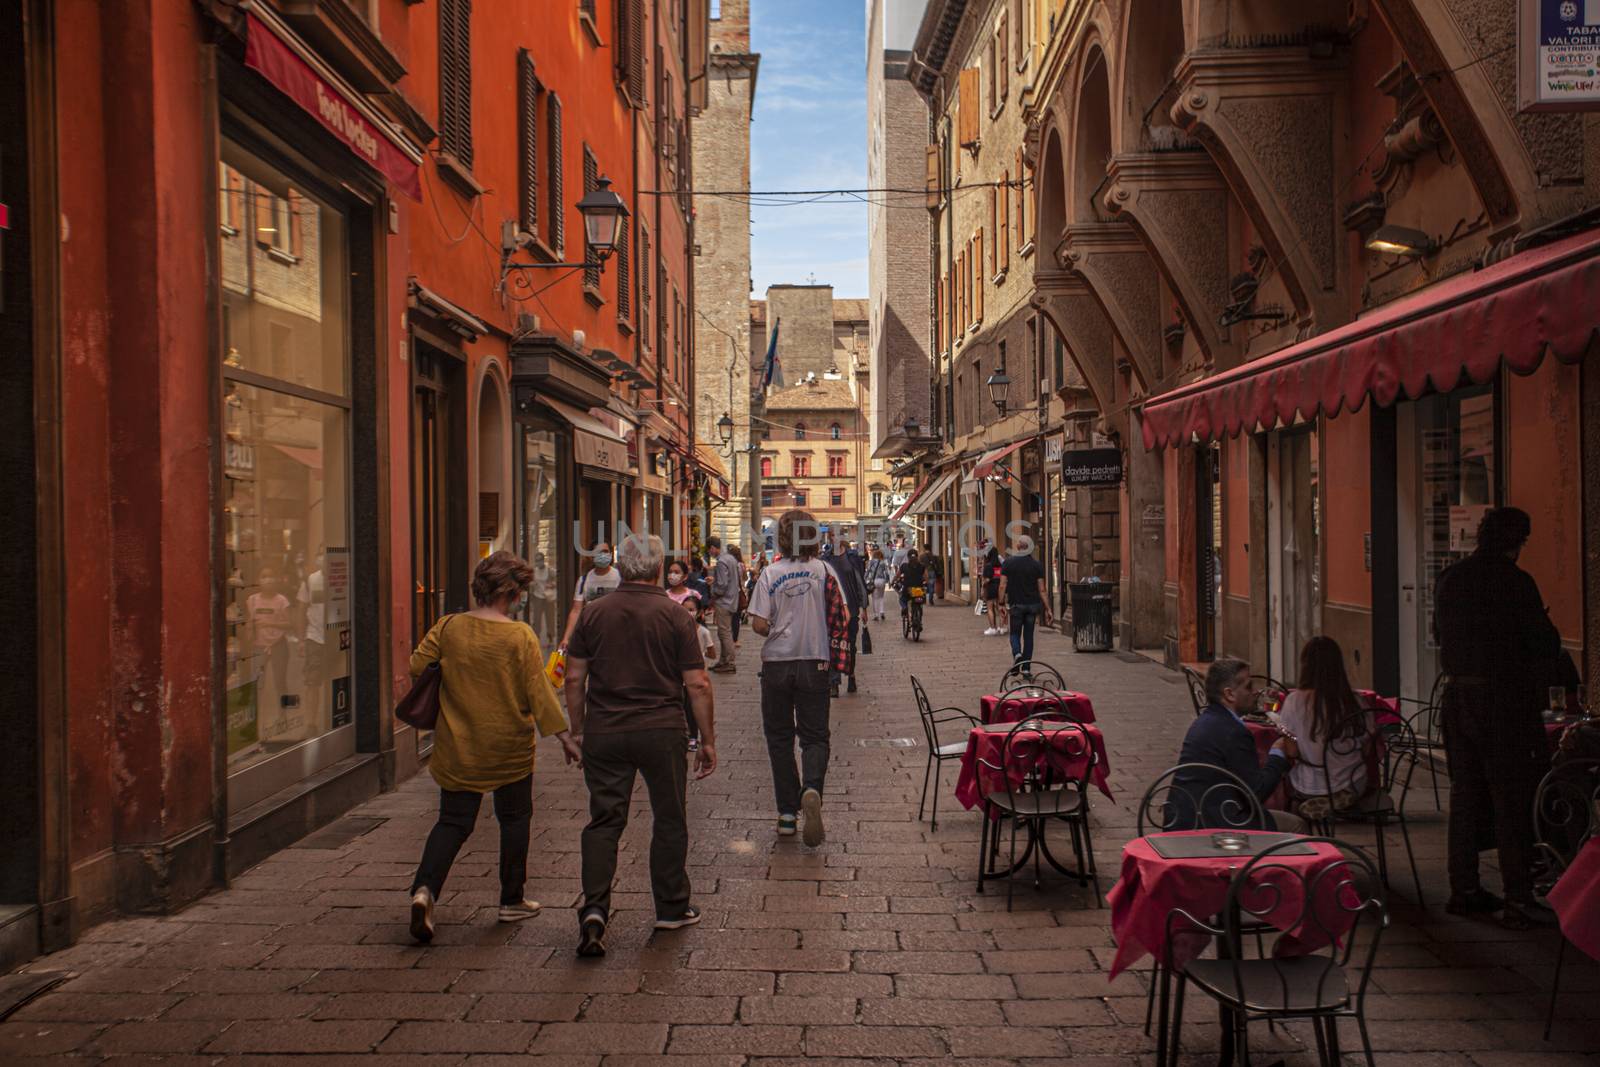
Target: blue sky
(810, 132)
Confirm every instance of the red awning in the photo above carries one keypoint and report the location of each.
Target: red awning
(912, 499)
(1547, 299)
(987, 462)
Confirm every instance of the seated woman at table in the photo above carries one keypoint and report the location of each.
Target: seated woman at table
(1321, 712)
(1219, 737)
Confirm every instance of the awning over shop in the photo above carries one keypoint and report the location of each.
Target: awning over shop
(595, 442)
(988, 461)
(1514, 311)
(901, 511)
(707, 459)
(931, 496)
(583, 420)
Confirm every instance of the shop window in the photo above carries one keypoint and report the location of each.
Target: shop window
(800, 466)
(455, 79)
(836, 498)
(541, 528)
(836, 467)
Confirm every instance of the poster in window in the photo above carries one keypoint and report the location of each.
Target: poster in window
(342, 712)
(243, 728)
(336, 573)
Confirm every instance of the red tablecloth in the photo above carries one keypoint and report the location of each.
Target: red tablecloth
(1265, 734)
(1576, 899)
(1151, 885)
(1074, 706)
(988, 743)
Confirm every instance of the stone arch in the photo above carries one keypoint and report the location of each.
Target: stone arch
(1091, 141)
(492, 454)
(1050, 188)
(1153, 44)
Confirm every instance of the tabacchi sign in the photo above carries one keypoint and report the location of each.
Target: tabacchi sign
(1558, 55)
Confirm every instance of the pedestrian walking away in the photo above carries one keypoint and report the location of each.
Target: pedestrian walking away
(601, 579)
(850, 572)
(790, 609)
(493, 697)
(632, 656)
(992, 564)
(723, 574)
(1022, 591)
(877, 576)
(1496, 647)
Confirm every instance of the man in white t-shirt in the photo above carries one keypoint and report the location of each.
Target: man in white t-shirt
(313, 599)
(789, 607)
(601, 579)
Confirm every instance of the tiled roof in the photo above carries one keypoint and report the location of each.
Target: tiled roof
(822, 395)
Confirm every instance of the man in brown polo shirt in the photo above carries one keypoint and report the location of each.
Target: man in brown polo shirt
(630, 658)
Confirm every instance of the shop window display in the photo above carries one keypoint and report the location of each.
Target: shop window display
(286, 478)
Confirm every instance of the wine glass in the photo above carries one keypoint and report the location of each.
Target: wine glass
(1558, 701)
(1583, 700)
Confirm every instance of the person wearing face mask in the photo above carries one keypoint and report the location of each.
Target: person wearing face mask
(678, 587)
(601, 579)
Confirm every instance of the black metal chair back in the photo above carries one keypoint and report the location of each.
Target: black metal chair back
(1199, 796)
(1032, 701)
(1032, 672)
(1566, 810)
(1197, 689)
(1346, 755)
(1037, 755)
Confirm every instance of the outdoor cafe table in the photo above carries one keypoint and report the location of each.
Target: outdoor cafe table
(1576, 899)
(1152, 885)
(987, 743)
(1024, 702)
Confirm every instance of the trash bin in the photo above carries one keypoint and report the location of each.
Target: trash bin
(1091, 616)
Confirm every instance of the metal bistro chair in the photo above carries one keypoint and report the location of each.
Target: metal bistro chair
(1197, 690)
(938, 752)
(1176, 801)
(1270, 692)
(1326, 911)
(1032, 672)
(1566, 814)
(1377, 805)
(1427, 733)
(1015, 705)
(1038, 795)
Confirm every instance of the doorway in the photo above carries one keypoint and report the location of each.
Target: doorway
(1294, 561)
(439, 552)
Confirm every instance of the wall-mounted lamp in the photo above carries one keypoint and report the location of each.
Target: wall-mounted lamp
(725, 428)
(602, 211)
(1402, 241)
(999, 385)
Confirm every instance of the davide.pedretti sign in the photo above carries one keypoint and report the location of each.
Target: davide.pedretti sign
(1558, 55)
(267, 54)
(1091, 468)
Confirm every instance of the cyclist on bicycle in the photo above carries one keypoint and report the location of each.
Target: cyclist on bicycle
(913, 573)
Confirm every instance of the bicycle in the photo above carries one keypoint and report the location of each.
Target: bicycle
(911, 615)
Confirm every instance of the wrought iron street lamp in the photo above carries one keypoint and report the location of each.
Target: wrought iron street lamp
(725, 428)
(999, 385)
(603, 213)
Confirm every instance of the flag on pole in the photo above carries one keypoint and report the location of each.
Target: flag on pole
(773, 373)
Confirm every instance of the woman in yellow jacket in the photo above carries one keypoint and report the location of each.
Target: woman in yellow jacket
(492, 697)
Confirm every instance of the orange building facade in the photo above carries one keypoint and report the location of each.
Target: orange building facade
(297, 348)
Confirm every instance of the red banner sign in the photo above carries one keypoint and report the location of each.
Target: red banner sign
(266, 54)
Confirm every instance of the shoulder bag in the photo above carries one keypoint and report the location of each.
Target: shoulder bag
(419, 708)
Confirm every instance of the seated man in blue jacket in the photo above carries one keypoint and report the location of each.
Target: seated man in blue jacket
(1219, 737)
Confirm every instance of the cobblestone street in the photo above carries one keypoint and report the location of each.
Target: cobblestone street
(874, 948)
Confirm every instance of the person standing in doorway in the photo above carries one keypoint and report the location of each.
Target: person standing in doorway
(790, 609)
(493, 698)
(631, 658)
(1022, 591)
(1495, 642)
(724, 578)
(601, 579)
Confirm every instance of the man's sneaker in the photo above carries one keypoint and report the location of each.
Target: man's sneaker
(690, 916)
(422, 914)
(811, 806)
(990, 632)
(525, 909)
(592, 935)
(787, 824)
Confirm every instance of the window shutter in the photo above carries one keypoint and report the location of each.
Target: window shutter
(624, 278)
(455, 79)
(644, 284)
(931, 179)
(1002, 244)
(968, 86)
(528, 143)
(558, 210)
(994, 255)
(591, 259)
(1002, 45)
(296, 234)
(978, 285)
(1022, 202)
(635, 39)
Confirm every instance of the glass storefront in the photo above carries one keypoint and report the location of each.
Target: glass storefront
(540, 536)
(286, 479)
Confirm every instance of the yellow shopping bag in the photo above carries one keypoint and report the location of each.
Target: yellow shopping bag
(555, 668)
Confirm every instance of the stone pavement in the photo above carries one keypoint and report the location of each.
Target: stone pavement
(873, 949)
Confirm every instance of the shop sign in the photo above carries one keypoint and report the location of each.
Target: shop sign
(267, 54)
(1558, 62)
(336, 585)
(596, 451)
(1053, 447)
(342, 714)
(1091, 468)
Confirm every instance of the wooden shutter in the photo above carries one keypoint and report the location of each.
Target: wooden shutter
(455, 79)
(527, 144)
(624, 280)
(297, 206)
(1002, 45)
(968, 86)
(994, 254)
(644, 283)
(591, 182)
(558, 209)
(931, 178)
(978, 285)
(1022, 202)
(1002, 244)
(629, 50)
